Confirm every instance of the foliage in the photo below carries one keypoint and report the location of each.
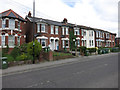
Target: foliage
(91, 50)
(71, 37)
(5, 51)
(18, 58)
(15, 52)
(10, 58)
(23, 48)
(115, 49)
(61, 54)
(83, 49)
(37, 48)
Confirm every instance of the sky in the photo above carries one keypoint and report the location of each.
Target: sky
(101, 14)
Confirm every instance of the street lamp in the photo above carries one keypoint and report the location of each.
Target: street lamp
(33, 30)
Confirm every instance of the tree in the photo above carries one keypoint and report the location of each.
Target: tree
(37, 48)
(71, 37)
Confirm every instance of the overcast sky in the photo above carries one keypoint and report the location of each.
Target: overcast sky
(102, 14)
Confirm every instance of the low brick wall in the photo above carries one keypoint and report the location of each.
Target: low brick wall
(62, 57)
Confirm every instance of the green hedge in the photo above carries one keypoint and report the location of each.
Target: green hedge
(91, 50)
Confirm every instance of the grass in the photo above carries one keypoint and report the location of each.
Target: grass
(61, 54)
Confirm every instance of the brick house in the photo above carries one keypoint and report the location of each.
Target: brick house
(49, 33)
(12, 27)
(117, 41)
(104, 38)
(55, 34)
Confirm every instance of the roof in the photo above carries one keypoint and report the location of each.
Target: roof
(63, 24)
(11, 14)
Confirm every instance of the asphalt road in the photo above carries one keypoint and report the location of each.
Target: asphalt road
(102, 72)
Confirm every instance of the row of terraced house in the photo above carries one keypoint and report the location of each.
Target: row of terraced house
(16, 30)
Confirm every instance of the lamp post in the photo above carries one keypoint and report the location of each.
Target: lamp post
(33, 30)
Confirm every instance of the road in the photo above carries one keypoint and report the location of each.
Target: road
(100, 72)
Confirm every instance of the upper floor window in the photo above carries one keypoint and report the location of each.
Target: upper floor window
(42, 27)
(11, 23)
(90, 33)
(97, 34)
(52, 29)
(38, 28)
(18, 25)
(3, 40)
(107, 35)
(3, 23)
(82, 31)
(56, 30)
(66, 31)
(103, 34)
(78, 42)
(63, 30)
(92, 42)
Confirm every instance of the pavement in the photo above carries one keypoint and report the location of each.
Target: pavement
(31, 67)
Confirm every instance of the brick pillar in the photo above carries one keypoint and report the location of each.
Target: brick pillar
(6, 39)
(20, 40)
(15, 40)
(50, 55)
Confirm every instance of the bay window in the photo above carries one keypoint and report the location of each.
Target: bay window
(11, 40)
(67, 43)
(3, 40)
(11, 23)
(18, 40)
(43, 43)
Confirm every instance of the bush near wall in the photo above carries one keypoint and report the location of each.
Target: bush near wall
(91, 50)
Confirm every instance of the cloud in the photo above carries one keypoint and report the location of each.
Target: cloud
(101, 14)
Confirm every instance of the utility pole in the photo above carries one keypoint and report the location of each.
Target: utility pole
(33, 30)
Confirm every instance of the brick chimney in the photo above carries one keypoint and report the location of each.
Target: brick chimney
(65, 20)
(29, 14)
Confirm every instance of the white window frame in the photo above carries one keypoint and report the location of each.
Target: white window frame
(90, 42)
(52, 29)
(19, 25)
(38, 28)
(11, 23)
(3, 23)
(66, 30)
(42, 27)
(63, 31)
(78, 42)
(97, 34)
(56, 29)
(3, 40)
(63, 43)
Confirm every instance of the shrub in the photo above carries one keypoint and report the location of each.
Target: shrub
(15, 52)
(18, 58)
(83, 49)
(23, 48)
(37, 48)
(10, 58)
(91, 50)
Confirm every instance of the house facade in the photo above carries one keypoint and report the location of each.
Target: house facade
(117, 41)
(55, 34)
(104, 38)
(12, 27)
(49, 33)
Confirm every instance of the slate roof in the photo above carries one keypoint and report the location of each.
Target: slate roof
(11, 14)
(51, 22)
